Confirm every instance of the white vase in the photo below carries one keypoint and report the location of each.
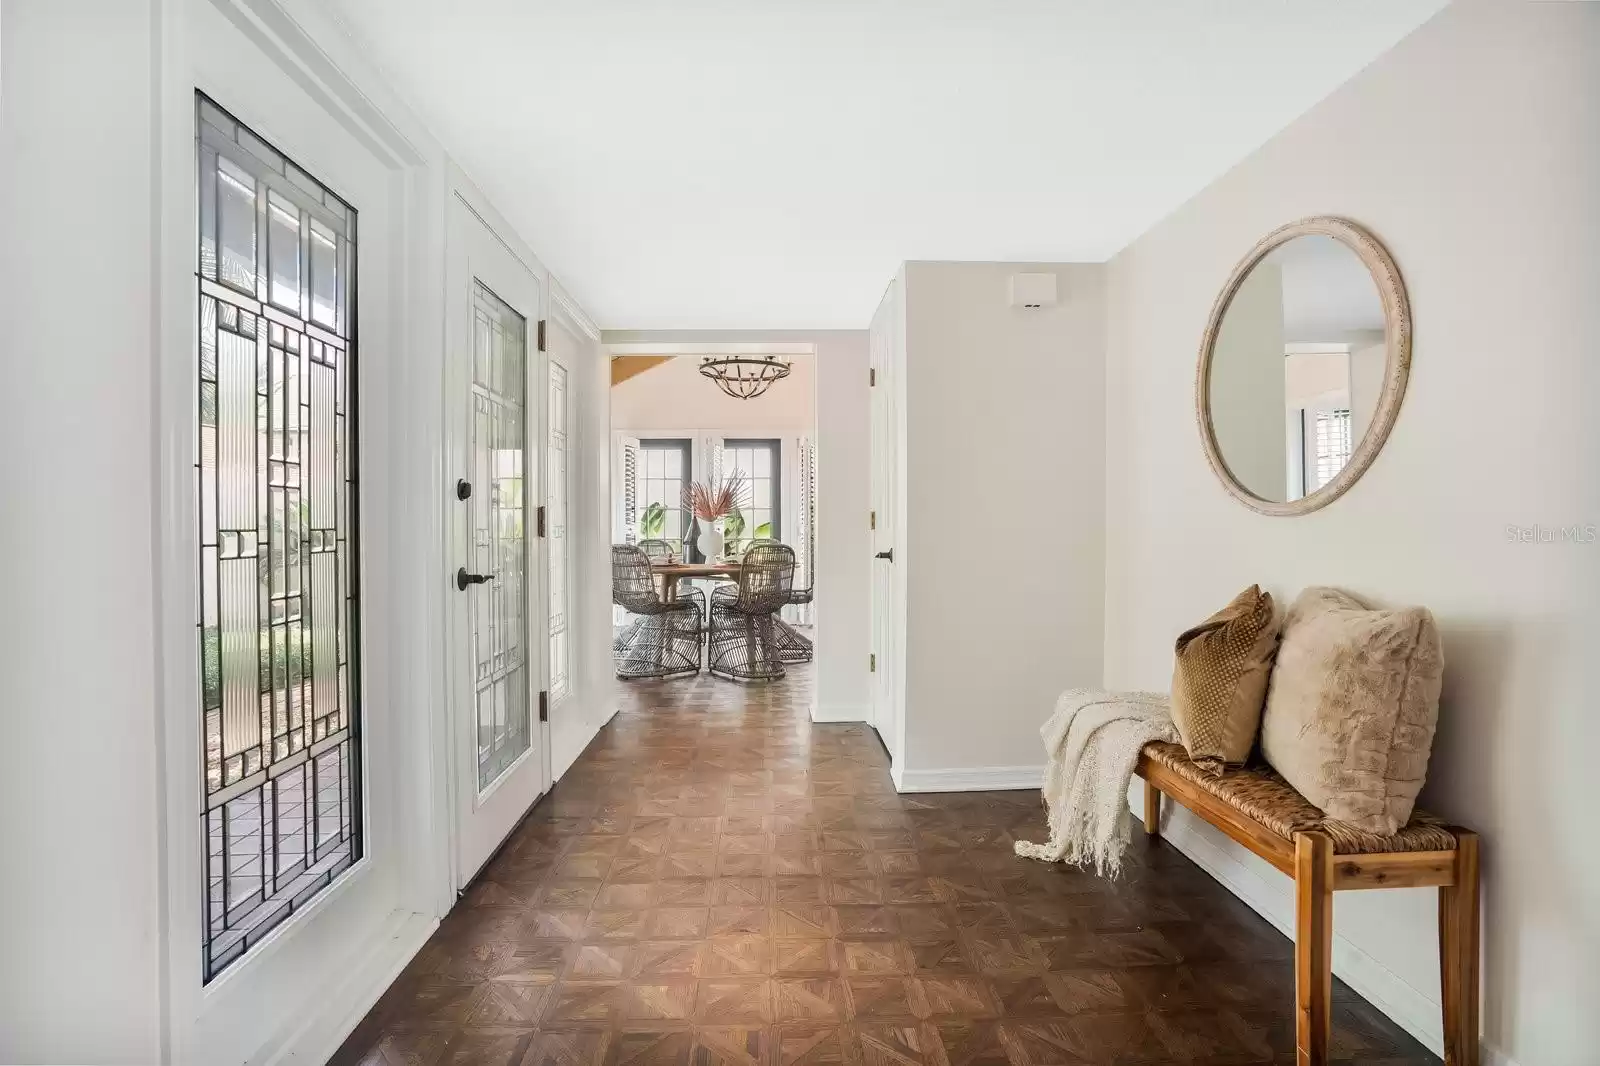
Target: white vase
(709, 540)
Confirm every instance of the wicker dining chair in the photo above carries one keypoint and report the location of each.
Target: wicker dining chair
(742, 644)
(794, 646)
(656, 549)
(663, 637)
(659, 550)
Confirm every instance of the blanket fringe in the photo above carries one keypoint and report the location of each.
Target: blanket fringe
(1093, 740)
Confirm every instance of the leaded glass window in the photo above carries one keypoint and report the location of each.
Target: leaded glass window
(556, 528)
(498, 530)
(275, 482)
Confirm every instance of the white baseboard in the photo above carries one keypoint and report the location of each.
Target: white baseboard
(1495, 1057)
(841, 712)
(338, 1013)
(972, 779)
(1411, 1009)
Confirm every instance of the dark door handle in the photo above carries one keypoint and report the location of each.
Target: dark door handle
(463, 579)
(889, 555)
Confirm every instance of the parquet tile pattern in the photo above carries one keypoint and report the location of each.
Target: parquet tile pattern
(719, 882)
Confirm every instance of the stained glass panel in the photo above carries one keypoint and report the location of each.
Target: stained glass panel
(498, 530)
(279, 722)
(556, 529)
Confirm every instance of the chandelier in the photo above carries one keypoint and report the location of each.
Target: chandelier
(744, 377)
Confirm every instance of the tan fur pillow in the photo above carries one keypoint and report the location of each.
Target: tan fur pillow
(1353, 705)
(1219, 681)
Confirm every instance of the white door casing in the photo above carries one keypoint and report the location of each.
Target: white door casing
(496, 660)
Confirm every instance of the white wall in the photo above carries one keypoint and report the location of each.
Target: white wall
(80, 898)
(673, 395)
(1473, 151)
(843, 547)
(1366, 385)
(844, 564)
(1002, 429)
(1247, 383)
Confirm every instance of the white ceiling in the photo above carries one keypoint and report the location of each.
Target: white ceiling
(739, 164)
(1329, 295)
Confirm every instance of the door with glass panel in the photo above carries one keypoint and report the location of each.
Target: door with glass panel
(760, 515)
(497, 585)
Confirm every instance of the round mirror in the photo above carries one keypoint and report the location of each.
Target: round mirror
(1303, 365)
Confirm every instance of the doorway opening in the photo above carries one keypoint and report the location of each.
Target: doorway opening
(674, 428)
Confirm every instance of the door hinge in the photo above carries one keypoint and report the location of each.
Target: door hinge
(872, 376)
(544, 706)
(541, 520)
(872, 664)
(872, 519)
(541, 334)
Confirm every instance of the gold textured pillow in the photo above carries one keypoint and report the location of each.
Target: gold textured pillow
(1352, 707)
(1220, 680)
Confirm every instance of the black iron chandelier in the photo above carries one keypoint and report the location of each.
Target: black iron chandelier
(744, 377)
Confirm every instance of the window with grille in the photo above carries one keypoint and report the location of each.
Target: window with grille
(1333, 444)
(759, 517)
(556, 529)
(275, 482)
(663, 474)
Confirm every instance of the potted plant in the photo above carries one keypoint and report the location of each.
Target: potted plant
(711, 502)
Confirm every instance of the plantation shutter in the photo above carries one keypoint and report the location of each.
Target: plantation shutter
(628, 497)
(805, 529)
(713, 460)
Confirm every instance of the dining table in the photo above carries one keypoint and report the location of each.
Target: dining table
(669, 574)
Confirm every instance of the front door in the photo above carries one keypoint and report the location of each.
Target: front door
(498, 621)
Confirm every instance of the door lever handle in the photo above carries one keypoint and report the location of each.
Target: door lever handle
(463, 579)
(889, 555)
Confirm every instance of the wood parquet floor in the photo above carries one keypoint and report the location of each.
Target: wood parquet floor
(718, 881)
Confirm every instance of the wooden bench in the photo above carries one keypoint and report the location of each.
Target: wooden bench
(1261, 811)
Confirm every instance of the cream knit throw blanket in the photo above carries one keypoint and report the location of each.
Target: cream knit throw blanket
(1094, 740)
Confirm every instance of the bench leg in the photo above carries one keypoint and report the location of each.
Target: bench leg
(1152, 810)
(1458, 955)
(1313, 947)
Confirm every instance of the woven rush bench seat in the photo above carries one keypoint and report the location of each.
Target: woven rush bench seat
(1260, 793)
(1263, 812)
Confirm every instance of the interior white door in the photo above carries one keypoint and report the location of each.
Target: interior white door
(499, 619)
(885, 713)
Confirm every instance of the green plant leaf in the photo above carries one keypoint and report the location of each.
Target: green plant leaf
(654, 521)
(763, 531)
(733, 525)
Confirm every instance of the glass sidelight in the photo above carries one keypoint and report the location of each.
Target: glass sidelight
(275, 482)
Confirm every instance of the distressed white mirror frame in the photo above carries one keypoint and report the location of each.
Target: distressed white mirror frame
(1397, 360)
